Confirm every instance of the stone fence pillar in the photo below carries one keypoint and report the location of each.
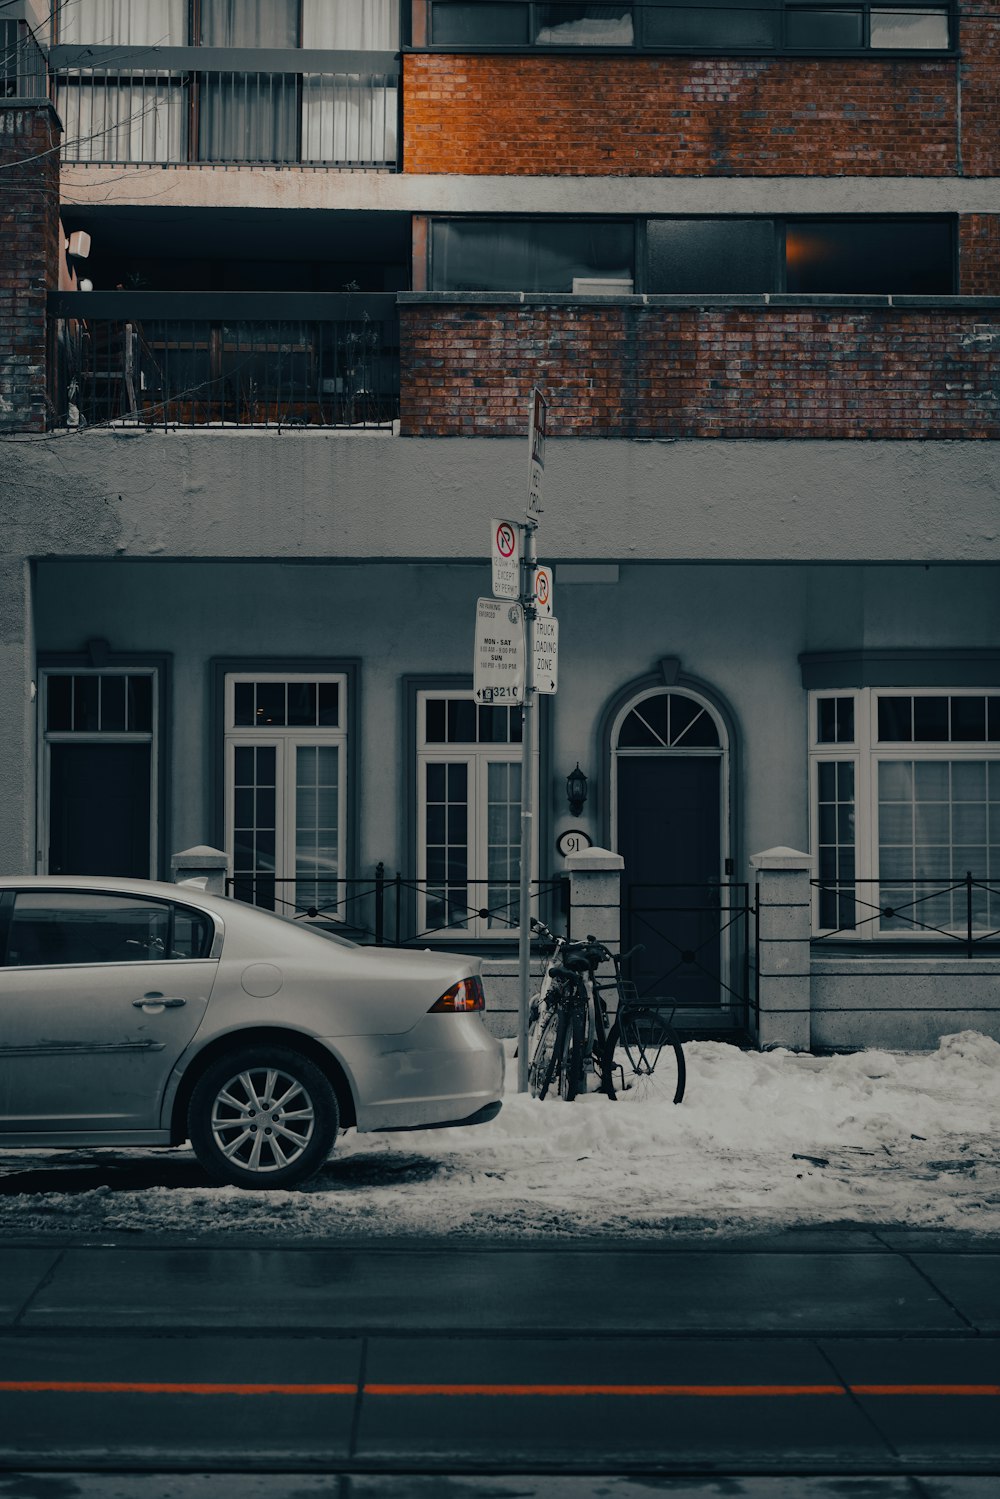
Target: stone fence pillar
(595, 876)
(202, 866)
(784, 922)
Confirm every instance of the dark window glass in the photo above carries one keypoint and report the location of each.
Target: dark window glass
(59, 704)
(895, 718)
(435, 723)
(243, 766)
(584, 25)
(68, 927)
(691, 725)
(86, 699)
(523, 255)
(516, 723)
(835, 720)
(809, 26)
(461, 721)
(501, 23)
(112, 704)
(243, 704)
(930, 718)
(869, 256)
(710, 23)
(710, 255)
(270, 704)
(968, 718)
(909, 25)
(329, 705)
(435, 783)
(494, 725)
(140, 705)
(302, 704)
(192, 934)
(458, 782)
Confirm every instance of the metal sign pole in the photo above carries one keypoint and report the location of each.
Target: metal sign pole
(527, 808)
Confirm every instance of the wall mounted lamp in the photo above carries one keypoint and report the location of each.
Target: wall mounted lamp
(576, 790)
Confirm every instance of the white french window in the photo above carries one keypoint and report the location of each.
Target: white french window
(286, 770)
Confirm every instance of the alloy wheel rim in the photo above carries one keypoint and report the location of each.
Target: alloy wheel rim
(262, 1120)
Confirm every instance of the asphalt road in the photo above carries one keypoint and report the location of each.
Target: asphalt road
(812, 1364)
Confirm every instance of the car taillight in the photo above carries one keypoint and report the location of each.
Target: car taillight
(467, 994)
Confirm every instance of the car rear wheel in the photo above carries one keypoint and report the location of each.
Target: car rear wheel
(263, 1117)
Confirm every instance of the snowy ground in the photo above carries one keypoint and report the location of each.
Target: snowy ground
(761, 1142)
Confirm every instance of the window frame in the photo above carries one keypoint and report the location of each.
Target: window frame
(780, 225)
(867, 752)
(225, 672)
(416, 689)
(781, 48)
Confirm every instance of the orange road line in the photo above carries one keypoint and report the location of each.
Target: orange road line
(602, 1389)
(149, 1387)
(699, 1391)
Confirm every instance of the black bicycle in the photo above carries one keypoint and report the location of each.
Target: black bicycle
(570, 1025)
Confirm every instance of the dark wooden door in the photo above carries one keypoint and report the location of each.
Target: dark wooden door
(669, 827)
(99, 809)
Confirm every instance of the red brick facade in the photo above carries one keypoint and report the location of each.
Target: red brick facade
(979, 254)
(644, 116)
(29, 259)
(625, 370)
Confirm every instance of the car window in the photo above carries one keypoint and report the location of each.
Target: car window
(69, 926)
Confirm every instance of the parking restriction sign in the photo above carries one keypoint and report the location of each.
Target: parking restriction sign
(543, 591)
(505, 547)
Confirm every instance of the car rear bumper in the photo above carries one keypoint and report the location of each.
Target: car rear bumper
(445, 1070)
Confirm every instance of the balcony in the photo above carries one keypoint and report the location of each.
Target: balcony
(201, 359)
(179, 106)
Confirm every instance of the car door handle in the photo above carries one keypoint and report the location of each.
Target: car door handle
(160, 1001)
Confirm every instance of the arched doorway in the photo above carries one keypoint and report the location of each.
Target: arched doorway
(670, 818)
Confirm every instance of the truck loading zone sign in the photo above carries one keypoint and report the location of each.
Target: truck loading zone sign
(545, 672)
(498, 671)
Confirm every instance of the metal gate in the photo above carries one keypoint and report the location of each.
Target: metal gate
(695, 949)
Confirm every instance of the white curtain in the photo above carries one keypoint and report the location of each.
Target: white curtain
(141, 120)
(350, 118)
(249, 23)
(368, 25)
(124, 23)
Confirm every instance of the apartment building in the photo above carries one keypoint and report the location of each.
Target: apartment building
(278, 279)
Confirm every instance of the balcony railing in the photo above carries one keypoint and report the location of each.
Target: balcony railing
(183, 105)
(232, 359)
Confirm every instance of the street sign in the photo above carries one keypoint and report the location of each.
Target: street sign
(506, 549)
(545, 673)
(536, 450)
(498, 667)
(543, 591)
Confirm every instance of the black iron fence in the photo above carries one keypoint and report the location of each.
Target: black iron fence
(394, 911)
(242, 359)
(174, 106)
(964, 910)
(693, 943)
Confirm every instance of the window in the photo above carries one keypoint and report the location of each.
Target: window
(694, 25)
(695, 256)
(468, 816)
(528, 254)
(100, 736)
(906, 806)
(129, 108)
(286, 749)
(61, 927)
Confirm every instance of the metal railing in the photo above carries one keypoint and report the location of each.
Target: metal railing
(963, 910)
(196, 359)
(22, 64)
(694, 941)
(176, 106)
(393, 911)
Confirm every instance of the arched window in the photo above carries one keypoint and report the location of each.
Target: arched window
(669, 720)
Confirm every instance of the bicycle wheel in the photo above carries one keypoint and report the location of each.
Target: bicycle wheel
(543, 1060)
(603, 1058)
(650, 1045)
(570, 1054)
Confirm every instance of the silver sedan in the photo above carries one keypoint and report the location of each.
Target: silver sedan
(135, 1013)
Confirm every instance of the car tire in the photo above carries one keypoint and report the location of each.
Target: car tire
(262, 1117)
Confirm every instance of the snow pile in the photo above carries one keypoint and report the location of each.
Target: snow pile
(760, 1142)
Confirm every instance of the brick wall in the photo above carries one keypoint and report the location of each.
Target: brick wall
(29, 259)
(979, 254)
(646, 116)
(979, 33)
(625, 369)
